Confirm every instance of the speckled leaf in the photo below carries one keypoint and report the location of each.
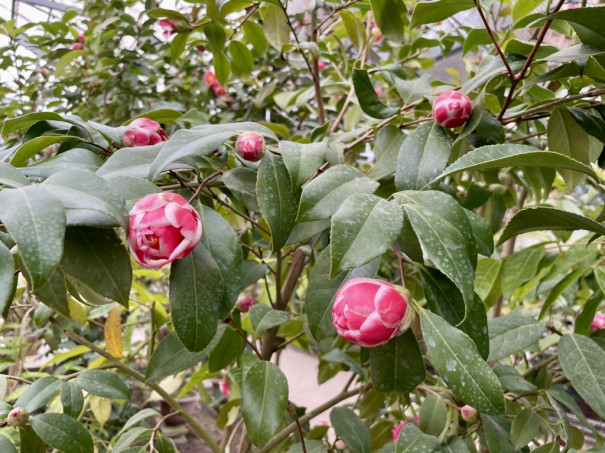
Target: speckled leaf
(264, 317)
(412, 440)
(302, 160)
(196, 291)
(103, 383)
(583, 363)
(62, 432)
(264, 401)
(321, 292)
(322, 197)
(76, 158)
(458, 362)
(386, 148)
(36, 220)
(422, 157)
(512, 333)
(11, 177)
(39, 393)
(351, 429)
(54, 292)
(445, 234)
(277, 199)
(72, 399)
(481, 230)
(134, 162)
(397, 366)
(363, 228)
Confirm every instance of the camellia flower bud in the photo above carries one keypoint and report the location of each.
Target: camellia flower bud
(397, 428)
(17, 417)
(597, 323)
(77, 46)
(244, 302)
(163, 228)
(321, 65)
(250, 146)
(452, 109)
(144, 131)
(469, 414)
(173, 25)
(224, 387)
(370, 312)
(81, 38)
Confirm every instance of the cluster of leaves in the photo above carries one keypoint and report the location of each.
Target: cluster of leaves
(353, 184)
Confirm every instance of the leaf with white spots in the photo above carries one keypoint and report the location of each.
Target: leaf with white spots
(363, 228)
(11, 177)
(302, 160)
(512, 333)
(264, 317)
(351, 429)
(412, 440)
(458, 362)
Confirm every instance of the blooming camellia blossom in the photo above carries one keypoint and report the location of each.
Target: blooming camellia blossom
(597, 323)
(250, 146)
(370, 312)
(163, 228)
(167, 26)
(210, 78)
(452, 109)
(142, 132)
(218, 89)
(397, 428)
(244, 302)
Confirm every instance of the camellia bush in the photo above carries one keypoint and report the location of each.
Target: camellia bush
(412, 192)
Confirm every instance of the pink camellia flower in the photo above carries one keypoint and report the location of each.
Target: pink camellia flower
(163, 228)
(452, 109)
(397, 428)
(321, 65)
(210, 79)
(77, 46)
(200, 48)
(370, 312)
(218, 89)
(597, 323)
(378, 91)
(142, 132)
(167, 26)
(469, 413)
(81, 38)
(224, 387)
(250, 146)
(196, 74)
(244, 302)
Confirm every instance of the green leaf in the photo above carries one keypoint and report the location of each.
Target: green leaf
(242, 183)
(11, 177)
(264, 317)
(177, 47)
(445, 234)
(445, 299)
(63, 433)
(6, 446)
(520, 268)
(243, 61)
(196, 290)
(498, 156)
(583, 363)
(39, 393)
(159, 115)
(302, 160)
(322, 197)
(30, 442)
(412, 440)
(586, 22)
(54, 292)
(128, 438)
(512, 333)
(433, 415)
(223, 244)
(217, 37)
(496, 436)
(222, 67)
(25, 121)
(415, 89)
(386, 148)
(525, 427)
(32, 147)
(321, 291)
(522, 8)
(135, 162)
(428, 12)
(369, 102)
(511, 379)
(482, 233)
(351, 429)
(592, 124)
(488, 282)
(171, 356)
(7, 269)
(388, 18)
(131, 189)
(277, 199)
(397, 366)
(104, 384)
(264, 401)
(275, 26)
(458, 362)
(226, 351)
(339, 356)
(96, 258)
(65, 60)
(36, 220)
(558, 289)
(355, 33)
(254, 34)
(73, 159)
(72, 399)
(88, 198)
(422, 157)
(542, 218)
(363, 228)
(567, 137)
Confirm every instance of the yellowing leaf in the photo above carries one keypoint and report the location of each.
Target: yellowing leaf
(77, 311)
(100, 407)
(114, 341)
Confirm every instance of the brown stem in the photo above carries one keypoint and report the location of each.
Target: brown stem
(203, 183)
(316, 83)
(245, 337)
(298, 427)
(494, 40)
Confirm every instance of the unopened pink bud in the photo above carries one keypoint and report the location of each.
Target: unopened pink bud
(452, 109)
(200, 48)
(244, 302)
(81, 38)
(18, 417)
(142, 132)
(597, 323)
(321, 65)
(224, 387)
(369, 312)
(469, 414)
(45, 72)
(77, 46)
(250, 146)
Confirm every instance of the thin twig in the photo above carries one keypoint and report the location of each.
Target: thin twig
(494, 40)
(245, 337)
(300, 432)
(203, 183)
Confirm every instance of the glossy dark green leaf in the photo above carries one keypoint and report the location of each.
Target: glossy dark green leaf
(264, 317)
(72, 399)
(54, 292)
(583, 363)
(196, 291)
(339, 356)
(226, 351)
(433, 415)
(177, 46)
(386, 148)
(223, 244)
(62, 432)
(29, 149)
(96, 257)
(363, 228)
(422, 157)
(39, 393)
(105, 384)
(11, 177)
(497, 437)
(558, 289)
(397, 366)
(351, 429)
(387, 14)
(36, 220)
(512, 333)
(512, 380)
(131, 189)
(458, 362)
(412, 440)
(322, 197)
(222, 67)
(302, 160)
(30, 442)
(369, 102)
(482, 233)
(242, 183)
(264, 401)
(428, 12)
(171, 356)
(586, 23)
(543, 218)
(593, 124)
(134, 162)
(7, 268)
(525, 427)
(24, 121)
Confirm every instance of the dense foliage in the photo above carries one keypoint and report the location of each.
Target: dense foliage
(505, 352)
